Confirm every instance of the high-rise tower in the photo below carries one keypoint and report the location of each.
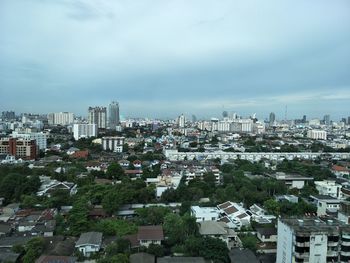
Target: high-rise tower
(113, 115)
(98, 116)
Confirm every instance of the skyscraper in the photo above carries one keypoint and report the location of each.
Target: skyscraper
(272, 118)
(113, 115)
(98, 116)
(327, 119)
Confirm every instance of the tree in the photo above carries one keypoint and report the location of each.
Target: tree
(173, 228)
(119, 246)
(249, 241)
(111, 201)
(272, 206)
(152, 215)
(33, 249)
(115, 171)
(78, 217)
(214, 249)
(156, 250)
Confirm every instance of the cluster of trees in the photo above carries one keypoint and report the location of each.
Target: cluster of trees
(16, 181)
(286, 208)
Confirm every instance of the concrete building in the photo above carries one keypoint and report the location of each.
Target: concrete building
(312, 240)
(292, 180)
(330, 188)
(98, 116)
(39, 137)
(89, 243)
(114, 144)
(272, 118)
(221, 231)
(181, 121)
(344, 212)
(205, 213)
(317, 134)
(60, 118)
(84, 130)
(18, 147)
(113, 115)
(326, 205)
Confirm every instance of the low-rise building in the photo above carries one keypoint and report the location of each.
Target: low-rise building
(89, 243)
(330, 188)
(234, 215)
(221, 231)
(147, 235)
(205, 213)
(292, 180)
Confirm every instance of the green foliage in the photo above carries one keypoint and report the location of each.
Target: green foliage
(59, 198)
(156, 250)
(152, 215)
(207, 247)
(249, 241)
(286, 208)
(14, 185)
(78, 217)
(116, 227)
(115, 171)
(111, 201)
(119, 258)
(119, 246)
(33, 249)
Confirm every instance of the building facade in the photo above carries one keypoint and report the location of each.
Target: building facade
(98, 116)
(19, 147)
(114, 144)
(113, 115)
(84, 130)
(312, 240)
(60, 118)
(39, 137)
(317, 134)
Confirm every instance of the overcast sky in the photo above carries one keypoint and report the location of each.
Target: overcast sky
(161, 58)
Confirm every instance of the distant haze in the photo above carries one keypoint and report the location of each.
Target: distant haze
(161, 58)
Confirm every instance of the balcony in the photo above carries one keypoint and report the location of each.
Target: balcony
(332, 253)
(302, 244)
(345, 243)
(302, 255)
(332, 244)
(343, 253)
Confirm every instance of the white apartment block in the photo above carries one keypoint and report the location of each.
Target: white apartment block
(114, 144)
(39, 137)
(330, 188)
(312, 240)
(98, 115)
(84, 130)
(205, 213)
(317, 134)
(60, 118)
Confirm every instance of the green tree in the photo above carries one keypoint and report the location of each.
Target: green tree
(33, 249)
(156, 250)
(111, 201)
(173, 228)
(115, 171)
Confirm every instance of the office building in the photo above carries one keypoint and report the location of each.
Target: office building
(272, 118)
(317, 134)
(84, 130)
(60, 118)
(98, 116)
(114, 144)
(113, 115)
(327, 120)
(8, 115)
(19, 147)
(181, 121)
(312, 240)
(39, 137)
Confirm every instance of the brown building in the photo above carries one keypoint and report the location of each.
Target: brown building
(20, 148)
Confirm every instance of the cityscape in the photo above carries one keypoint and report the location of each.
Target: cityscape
(174, 131)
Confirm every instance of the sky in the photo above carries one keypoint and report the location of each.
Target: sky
(161, 58)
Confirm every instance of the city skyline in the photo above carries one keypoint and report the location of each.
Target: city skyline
(233, 56)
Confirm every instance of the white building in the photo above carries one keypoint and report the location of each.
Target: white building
(234, 215)
(330, 188)
(89, 243)
(181, 121)
(317, 134)
(292, 180)
(114, 144)
(39, 137)
(84, 130)
(205, 213)
(98, 116)
(312, 240)
(60, 118)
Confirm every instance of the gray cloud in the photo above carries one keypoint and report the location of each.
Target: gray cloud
(157, 57)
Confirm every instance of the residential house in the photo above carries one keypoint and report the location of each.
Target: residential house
(89, 243)
(292, 180)
(205, 213)
(234, 214)
(221, 231)
(48, 186)
(328, 187)
(326, 205)
(147, 235)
